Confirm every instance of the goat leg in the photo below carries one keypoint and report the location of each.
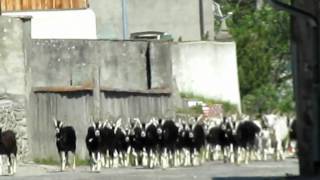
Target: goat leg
(1, 164)
(63, 160)
(74, 161)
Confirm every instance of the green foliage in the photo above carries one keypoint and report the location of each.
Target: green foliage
(52, 161)
(228, 107)
(264, 66)
(192, 111)
(47, 161)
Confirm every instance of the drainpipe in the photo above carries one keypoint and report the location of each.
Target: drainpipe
(313, 22)
(125, 32)
(201, 19)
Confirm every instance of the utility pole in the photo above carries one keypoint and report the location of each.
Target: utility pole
(306, 69)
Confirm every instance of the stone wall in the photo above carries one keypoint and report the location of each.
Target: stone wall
(13, 34)
(13, 117)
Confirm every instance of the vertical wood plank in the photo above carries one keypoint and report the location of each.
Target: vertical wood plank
(58, 4)
(39, 4)
(33, 4)
(49, 4)
(24, 4)
(3, 5)
(9, 4)
(71, 3)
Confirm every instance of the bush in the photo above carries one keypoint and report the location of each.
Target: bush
(269, 98)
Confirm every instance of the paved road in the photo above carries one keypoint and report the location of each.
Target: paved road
(211, 170)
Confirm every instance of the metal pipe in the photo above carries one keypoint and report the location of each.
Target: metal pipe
(314, 23)
(125, 32)
(201, 19)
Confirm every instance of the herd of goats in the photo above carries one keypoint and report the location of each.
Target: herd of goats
(169, 143)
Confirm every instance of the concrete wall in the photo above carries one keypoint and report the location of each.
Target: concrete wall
(12, 69)
(61, 62)
(71, 24)
(128, 71)
(208, 69)
(181, 18)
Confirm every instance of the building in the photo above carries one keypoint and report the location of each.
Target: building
(72, 60)
(116, 19)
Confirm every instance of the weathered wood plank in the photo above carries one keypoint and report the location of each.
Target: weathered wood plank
(24, 5)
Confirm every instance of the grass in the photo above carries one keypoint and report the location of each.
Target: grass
(228, 107)
(46, 161)
(193, 111)
(53, 161)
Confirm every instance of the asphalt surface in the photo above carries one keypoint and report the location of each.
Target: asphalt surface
(210, 170)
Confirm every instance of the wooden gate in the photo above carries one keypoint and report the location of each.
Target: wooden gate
(31, 5)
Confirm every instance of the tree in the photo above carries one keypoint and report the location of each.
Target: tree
(262, 37)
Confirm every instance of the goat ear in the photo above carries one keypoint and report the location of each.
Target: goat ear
(105, 123)
(54, 121)
(61, 124)
(100, 124)
(119, 122)
(91, 121)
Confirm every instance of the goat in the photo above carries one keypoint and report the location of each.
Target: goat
(169, 139)
(8, 147)
(107, 146)
(138, 141)
(293, 136)
(246, 137)
(152, 139)
(65, 141)
(198, 142)
(279, 132)
(121, 145)
(93, 143)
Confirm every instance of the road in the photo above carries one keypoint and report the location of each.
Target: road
(210, 170)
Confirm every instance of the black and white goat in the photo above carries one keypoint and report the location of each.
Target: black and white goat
(247, 134)
(198, 141)
(151, 143)
(107, 146)
(121, 143)
(169, 140)
(94, 143)
(65, 141)
(293, 136)
(8, 147)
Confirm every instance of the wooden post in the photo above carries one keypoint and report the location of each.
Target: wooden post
(96, 92)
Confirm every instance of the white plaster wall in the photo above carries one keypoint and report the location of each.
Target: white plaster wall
(208, 69)
(70, 24)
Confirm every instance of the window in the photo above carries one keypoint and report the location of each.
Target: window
(31, 5)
